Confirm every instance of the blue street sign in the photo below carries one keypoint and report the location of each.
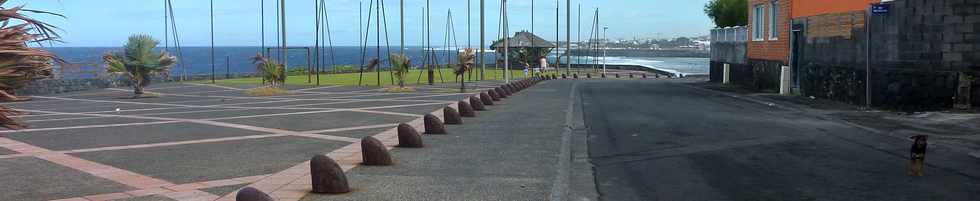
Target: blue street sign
(881, 8)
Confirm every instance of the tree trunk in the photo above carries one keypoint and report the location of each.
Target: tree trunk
(138, 88)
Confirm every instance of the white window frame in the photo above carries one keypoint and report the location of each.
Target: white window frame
(774, 20)
(758, 22)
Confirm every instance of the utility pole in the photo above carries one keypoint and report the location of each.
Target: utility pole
(605, 48)
(483, 65)
(558, 35)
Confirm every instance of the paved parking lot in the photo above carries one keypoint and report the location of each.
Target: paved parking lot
(193, 142)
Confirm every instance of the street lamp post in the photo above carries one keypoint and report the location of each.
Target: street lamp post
(604, 48)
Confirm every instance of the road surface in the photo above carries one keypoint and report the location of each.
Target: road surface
(666, 140)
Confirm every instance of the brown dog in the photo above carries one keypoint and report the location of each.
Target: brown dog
(917, 155)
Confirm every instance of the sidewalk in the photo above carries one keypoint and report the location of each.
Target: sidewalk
(510, 152)
(957, 130)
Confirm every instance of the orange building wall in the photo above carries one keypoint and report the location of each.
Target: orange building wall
(772, 50)
(806, 8)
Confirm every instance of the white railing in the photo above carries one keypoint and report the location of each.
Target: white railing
(729, 34)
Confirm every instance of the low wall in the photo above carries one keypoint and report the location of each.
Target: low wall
(56, 86)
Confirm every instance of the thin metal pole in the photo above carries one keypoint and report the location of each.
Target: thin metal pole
(227, 67)
(212, 42)
(166, 27)
(568, 34)
(402, 13)
(867, 72)
(262, 29)
(503, 5)
(483, 65)
(428, 35)
(378, 35)
(316, 40)
(285, 47)
(579, 27)
(558, 35)
(532, 17)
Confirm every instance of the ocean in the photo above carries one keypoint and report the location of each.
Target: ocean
(86, 62)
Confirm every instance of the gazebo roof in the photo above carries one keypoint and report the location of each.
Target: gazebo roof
(525, 39)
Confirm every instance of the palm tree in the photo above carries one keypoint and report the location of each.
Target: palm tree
(401, 64)
(271, 71)
(139, 62)
(466, 61)
(19, 63)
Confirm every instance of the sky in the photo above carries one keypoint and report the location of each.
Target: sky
(107, 23)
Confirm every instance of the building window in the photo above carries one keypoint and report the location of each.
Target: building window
(774, 20)
(758, 22)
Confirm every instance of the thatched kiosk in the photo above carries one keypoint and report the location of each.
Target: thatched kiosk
(526, 49)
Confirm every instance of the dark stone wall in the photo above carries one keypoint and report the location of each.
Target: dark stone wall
(917, 53)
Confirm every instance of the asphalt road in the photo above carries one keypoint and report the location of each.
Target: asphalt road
(664, 140)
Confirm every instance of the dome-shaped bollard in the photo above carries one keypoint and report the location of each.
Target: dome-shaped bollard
(617, 75)
(588, 75)
(494, 95)
(465, 110)
(477, 104)
(631, 75)
(500, 92)
(434, 126)
(252, 194)
(327, 176)
(507, 90)
(575, 76)
(408, 137)
(563, 76)
(374, 153)
(452, 116)
(487, 100)
(644, 76)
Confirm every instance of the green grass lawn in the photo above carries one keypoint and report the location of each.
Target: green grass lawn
(371, 79)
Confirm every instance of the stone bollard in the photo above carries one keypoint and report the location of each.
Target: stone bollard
(505, 90)
(575, 76)
(465, 110)
(500, 92)
(588, 75)
(603, 75)
(452, 116)
(563, 76)
(408, 137)
(374, 153)
(252, 194)
(617, 75)
(487, 100)
(644, 76)
(327, 176)
(494, 95)
(434, 126)
(631, 75)
(477, 104)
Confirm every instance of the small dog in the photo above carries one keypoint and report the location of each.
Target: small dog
(917, 155)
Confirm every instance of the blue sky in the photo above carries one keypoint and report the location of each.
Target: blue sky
(109, 22)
